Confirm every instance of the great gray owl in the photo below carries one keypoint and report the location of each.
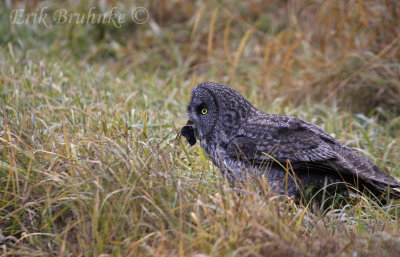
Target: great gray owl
(291, 153)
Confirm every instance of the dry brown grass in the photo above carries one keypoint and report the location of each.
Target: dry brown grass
(89, 114)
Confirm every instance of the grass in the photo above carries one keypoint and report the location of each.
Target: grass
(90, 164)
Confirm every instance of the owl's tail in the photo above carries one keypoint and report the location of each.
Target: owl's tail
(368, 174)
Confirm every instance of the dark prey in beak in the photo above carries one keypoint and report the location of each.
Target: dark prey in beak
(189, 133)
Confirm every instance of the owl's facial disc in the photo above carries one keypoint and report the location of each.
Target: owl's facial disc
(202, 112)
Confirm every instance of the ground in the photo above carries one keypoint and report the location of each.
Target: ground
(90, 163)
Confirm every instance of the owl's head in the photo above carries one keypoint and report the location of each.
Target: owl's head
(213, 108)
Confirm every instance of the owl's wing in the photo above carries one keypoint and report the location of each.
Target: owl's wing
(306, 146)
(297, 144)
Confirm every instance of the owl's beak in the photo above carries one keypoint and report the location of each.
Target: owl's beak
(190, 123)
(189, 132)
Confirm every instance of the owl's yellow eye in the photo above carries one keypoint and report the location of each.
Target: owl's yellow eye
(204, 111)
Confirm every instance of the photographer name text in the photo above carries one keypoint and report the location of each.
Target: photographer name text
(113, 16)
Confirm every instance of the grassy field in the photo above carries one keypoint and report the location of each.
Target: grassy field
(89, 113)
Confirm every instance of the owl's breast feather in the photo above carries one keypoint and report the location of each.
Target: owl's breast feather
(203, 143)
